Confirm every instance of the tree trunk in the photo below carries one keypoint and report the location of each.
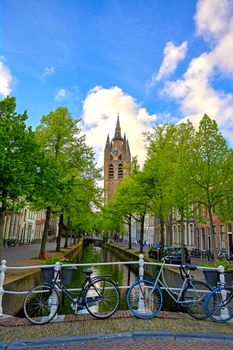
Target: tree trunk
(2, 215)
(161, 219)
(60, 230)
(130, 233)
(67, 233)
(182, 235)
(212, 233)
(45, 233)
(142, 233)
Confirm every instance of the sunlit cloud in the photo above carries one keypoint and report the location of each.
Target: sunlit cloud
(100, 110)
(213, 18)
(6, 79)
(172, 56)
(195, 91)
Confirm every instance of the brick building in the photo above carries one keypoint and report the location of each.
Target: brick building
(117, 159)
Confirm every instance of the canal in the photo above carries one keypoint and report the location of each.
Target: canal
(122, 274)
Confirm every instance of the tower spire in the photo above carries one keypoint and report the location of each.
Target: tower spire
(107, 145)
(117, 135)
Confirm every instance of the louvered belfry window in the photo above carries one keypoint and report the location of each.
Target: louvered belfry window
(120, 171)
(111, 171)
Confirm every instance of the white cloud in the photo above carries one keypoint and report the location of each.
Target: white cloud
(172, 56)
(195, 91)
(61, 95)
(213, 18)
(100, 110)
(6, 79)
(48, 71)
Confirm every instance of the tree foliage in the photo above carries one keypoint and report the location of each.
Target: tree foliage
(17, 159)
(71, 173)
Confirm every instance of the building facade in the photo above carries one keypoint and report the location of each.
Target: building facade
(117, 159)
(27, 226)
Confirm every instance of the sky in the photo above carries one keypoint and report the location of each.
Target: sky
(150, 61)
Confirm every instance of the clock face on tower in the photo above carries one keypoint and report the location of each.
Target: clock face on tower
(115, 152)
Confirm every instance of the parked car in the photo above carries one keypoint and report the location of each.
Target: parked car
(173, 255)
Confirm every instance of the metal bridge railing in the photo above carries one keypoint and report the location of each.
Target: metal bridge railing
(140, 262)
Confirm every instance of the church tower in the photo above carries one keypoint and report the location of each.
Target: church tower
(117, 160)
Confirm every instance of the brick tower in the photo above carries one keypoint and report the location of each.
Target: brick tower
(117, 159)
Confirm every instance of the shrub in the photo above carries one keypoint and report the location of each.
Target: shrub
(54, 259)
(216, 263)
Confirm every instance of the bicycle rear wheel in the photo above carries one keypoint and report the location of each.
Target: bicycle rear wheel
(194, 297)
(102, 298)
(219, 304)
(41, 304)
(144, 299)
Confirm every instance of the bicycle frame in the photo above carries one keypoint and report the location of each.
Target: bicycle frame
(171, 291)
(79, 298)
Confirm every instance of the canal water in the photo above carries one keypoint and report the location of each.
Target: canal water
(121, 274)
(124, 275)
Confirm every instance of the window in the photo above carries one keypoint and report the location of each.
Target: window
(222, 237)
(191, 234)
(179, 235)
(174, 234)
(120, 171)
(221, 229)
(229, 228)
(111, 171)
(222, 241)
(203, 238)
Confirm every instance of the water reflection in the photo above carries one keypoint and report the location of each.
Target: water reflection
(122, 274)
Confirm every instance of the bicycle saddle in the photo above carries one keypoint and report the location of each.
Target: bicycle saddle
(88, 272)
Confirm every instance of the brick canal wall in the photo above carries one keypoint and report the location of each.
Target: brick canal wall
(24, 280)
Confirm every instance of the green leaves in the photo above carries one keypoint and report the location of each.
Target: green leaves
(17, 153)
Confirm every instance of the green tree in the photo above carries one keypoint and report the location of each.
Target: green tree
(210, 170)
(73, 165)
(157, 173)
(180, 178)
(18, 152)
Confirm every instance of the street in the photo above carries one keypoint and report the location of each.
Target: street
(21, 254)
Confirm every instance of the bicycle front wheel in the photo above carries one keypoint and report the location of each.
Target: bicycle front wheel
(219, 304)
(194, 297)
(144, 299)
(102, 298)
(41, 304)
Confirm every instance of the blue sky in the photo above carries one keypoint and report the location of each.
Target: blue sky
(151, 61)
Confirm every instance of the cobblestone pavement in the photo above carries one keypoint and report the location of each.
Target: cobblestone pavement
(121, 331)
(144, 344)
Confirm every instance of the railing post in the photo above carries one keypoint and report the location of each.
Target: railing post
(2, 277)
(141, 306)
(224, 310)
(57, 268)
(141, 266)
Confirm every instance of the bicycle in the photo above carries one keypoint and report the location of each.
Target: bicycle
(219, 303)
(145, 297)
(99, 295)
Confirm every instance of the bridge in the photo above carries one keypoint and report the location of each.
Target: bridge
(96, 240)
